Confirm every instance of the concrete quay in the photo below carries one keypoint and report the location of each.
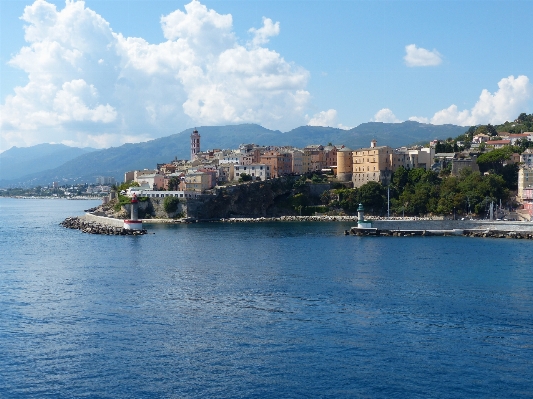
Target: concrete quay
(483, 233)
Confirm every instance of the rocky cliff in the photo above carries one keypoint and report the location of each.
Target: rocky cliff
(257, 199)
(271, 198)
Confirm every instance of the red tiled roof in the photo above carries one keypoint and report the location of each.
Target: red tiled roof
(496, 142)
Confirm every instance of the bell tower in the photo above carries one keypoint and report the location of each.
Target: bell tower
(195, 144)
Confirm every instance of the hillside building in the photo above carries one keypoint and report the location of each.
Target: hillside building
(525, 180)
(257, 171)
(372, 164)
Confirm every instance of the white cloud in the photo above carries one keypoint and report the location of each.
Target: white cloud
(420, 57)
(88, 84)
(263, 34)
(420, 119)
(385, 115)
(326, 118)
(505, 104)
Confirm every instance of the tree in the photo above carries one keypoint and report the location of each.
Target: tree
(372, 195)
(126, 185)
(493, 160)
(491, 130)
(170, 204)
(244, 177)
(174, 183)
(400, 178)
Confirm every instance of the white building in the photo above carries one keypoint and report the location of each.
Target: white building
(257, 171)
(235, 159)
(160, 194)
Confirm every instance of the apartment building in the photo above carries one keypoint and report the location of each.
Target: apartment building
(280, 163)
(257, 171)
(525, 179)
(372, 164)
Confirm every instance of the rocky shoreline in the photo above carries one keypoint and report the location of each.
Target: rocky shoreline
(97, 228)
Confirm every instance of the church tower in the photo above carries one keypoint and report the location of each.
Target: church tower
(195, 144)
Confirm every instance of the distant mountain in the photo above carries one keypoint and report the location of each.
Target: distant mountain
(17, 162)
(116, 161)
(398, 134)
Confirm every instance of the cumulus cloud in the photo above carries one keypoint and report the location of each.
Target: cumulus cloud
(505, 104)
(385, 115)
(420, 57)
(263, 34)
(90, 85)
(420, 119)
(326, 118)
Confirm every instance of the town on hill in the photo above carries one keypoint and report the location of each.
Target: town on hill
(462, 177)
(459, 177)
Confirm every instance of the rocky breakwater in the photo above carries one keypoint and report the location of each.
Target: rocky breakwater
(92, 227)
(528, 235)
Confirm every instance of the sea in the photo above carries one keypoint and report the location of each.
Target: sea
(258, 310)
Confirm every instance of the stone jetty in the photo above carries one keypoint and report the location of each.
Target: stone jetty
(482, 233)
(92, 227)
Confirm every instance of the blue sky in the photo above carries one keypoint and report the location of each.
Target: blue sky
(102, 73)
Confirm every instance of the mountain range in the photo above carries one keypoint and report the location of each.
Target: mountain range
(45, 163)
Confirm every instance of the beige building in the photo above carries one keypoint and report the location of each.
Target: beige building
(412, 158)
(372, 164)
(297, 162)
(525, 179)
(197, 182)
(315, 157)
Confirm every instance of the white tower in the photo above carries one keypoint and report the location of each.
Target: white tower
(195, 144)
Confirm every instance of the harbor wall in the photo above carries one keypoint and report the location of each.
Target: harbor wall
(451, 224)
(103, 220)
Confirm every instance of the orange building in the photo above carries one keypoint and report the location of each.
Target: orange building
(280, 163)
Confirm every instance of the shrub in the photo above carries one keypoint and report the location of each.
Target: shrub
(170, 204)
(245, 177)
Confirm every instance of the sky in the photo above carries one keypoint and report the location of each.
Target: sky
(101, 73)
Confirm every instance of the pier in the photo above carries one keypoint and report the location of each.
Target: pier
(483, 233)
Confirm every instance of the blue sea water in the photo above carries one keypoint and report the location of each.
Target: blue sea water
(272, 310)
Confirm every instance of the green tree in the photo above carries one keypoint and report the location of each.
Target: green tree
(170, 204)
(244, 177)
(400, 178)
(373, 196)
(174, 183)
(493, 160)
